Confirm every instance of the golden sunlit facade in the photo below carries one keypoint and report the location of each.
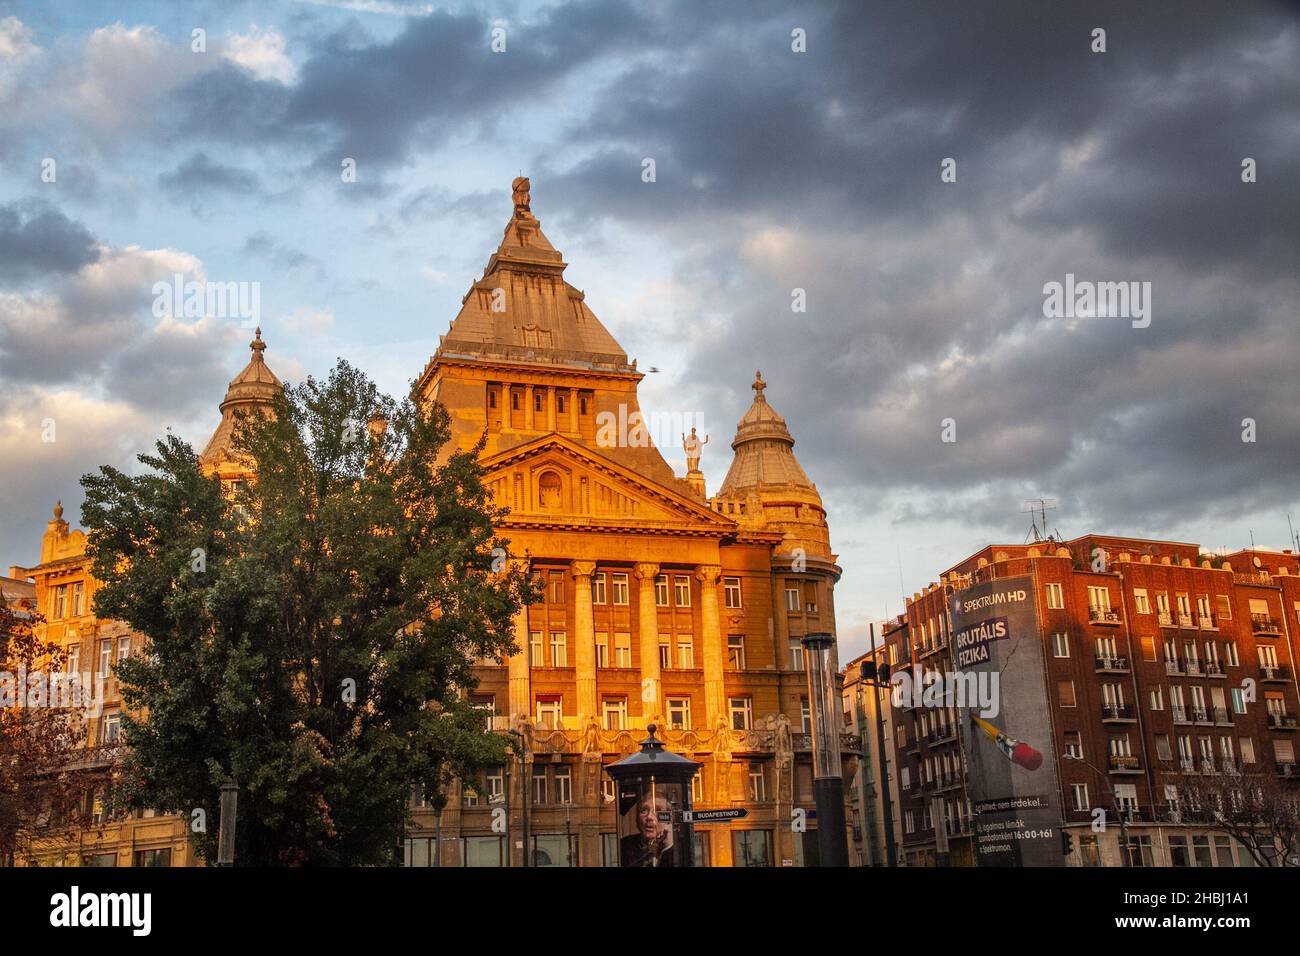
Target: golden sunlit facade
(660, 603)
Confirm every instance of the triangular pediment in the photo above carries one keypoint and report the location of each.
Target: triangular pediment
(556, 482)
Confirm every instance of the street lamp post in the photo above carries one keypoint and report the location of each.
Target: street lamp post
(828, 780)
(226, 833)
(1114, 801)
(524, 784)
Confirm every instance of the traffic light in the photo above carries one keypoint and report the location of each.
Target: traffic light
(867, 672)
(1067, 842)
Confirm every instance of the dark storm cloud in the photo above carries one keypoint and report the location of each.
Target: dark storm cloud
(200, 175)
(37, 240)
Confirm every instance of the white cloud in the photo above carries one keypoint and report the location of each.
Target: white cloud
(309, 320)
(261, 52)
(15, 40)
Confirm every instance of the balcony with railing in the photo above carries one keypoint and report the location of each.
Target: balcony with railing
(1222, 716)
(1265, 624)
(1180, 715)
(1103, 615)
(1112, 665)
(1187, 622)
(1287, 771)
(1274, 674)
(1193, 667)
(1125, 763)
(1213, 669)
(1206, 621)
(1173, 667)
(1166, 619)
(1282, 721)
(1201, 715)
(1117, 713)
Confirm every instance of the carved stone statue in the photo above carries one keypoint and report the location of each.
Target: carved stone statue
(591, 737)
(519, 188)
(722, 736)
(693, 446)
(524, 724)
(782, 740)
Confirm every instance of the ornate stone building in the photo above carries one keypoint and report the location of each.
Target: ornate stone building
(660, 604)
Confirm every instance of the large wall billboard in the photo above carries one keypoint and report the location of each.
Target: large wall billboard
(1011, 761)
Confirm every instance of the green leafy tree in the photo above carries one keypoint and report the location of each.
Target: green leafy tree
(311, 635)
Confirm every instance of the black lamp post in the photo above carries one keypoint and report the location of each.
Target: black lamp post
(653, 788)
(828, 778)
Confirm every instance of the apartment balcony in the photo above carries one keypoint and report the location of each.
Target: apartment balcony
(1287, 771)
(1187, 622)
(1193, 668)
(1103, 615)
(1187, 765)
(1180, 715)
(957, 828)
(1117, 713)
(1207, 765)
(1213, 669)
(1125, 763)
(1166, 619)
(1201, 715)
(1263, 624)
(947, 781)
(1222, 716)
(1112, 665)
(1174, 668)
(1206, 622)
(941, 735)
(1282, 721)
(1274, 674)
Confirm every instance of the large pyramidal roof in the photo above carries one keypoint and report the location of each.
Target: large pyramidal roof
(523, 311)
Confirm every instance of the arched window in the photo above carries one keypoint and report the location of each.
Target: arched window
(548, 487)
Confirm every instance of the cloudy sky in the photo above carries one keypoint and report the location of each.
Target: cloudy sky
(775, 170)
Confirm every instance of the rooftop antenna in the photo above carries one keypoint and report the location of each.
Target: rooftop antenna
(1295, 542)
(1037, 508)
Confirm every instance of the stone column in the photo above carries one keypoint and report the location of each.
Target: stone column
(551, 395)
(584, 640)
(711, 639)
(521, 696)
(529, 422)
(652, 702)
(573, 410)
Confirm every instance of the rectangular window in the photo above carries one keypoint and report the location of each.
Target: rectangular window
(602, 650)
(665, 655)
(598, 588)
(483, 850)
(1055, 597)
(1060, 645)
(661, 591)
(751, 847)
(559, 649)
(682, 590)
(1223, 607)
(549, 712)
(742, 713)
(757, 783)
(111, 731)
(796, 654)
(792, 599)
(805, 716)
(73, 665)
(123, 647)
(679, 713)
(1099, 598)
(1140, 601)
(685, 651)
(1079, 795)
(420, 851)
(539, 786)
(153, 857)
(557, 587)
(105, 657)
(619, 582)
(731, 592)
(60, 609)
(1073, 745)
(78, 599)
(563, 785)
(1157, 698)
(613, 713)
(1065, 692)
(536, 650)
(622, 650)
(736, 651)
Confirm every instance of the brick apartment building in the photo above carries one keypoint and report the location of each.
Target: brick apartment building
(1163, 664)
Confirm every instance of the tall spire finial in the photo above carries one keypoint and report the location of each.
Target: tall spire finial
(759, 385)
(257, 345)
(519, 193)
(58, 510)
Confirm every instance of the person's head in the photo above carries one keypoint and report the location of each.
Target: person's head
(649, 826)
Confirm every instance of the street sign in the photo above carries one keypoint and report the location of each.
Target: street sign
(714, 816)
